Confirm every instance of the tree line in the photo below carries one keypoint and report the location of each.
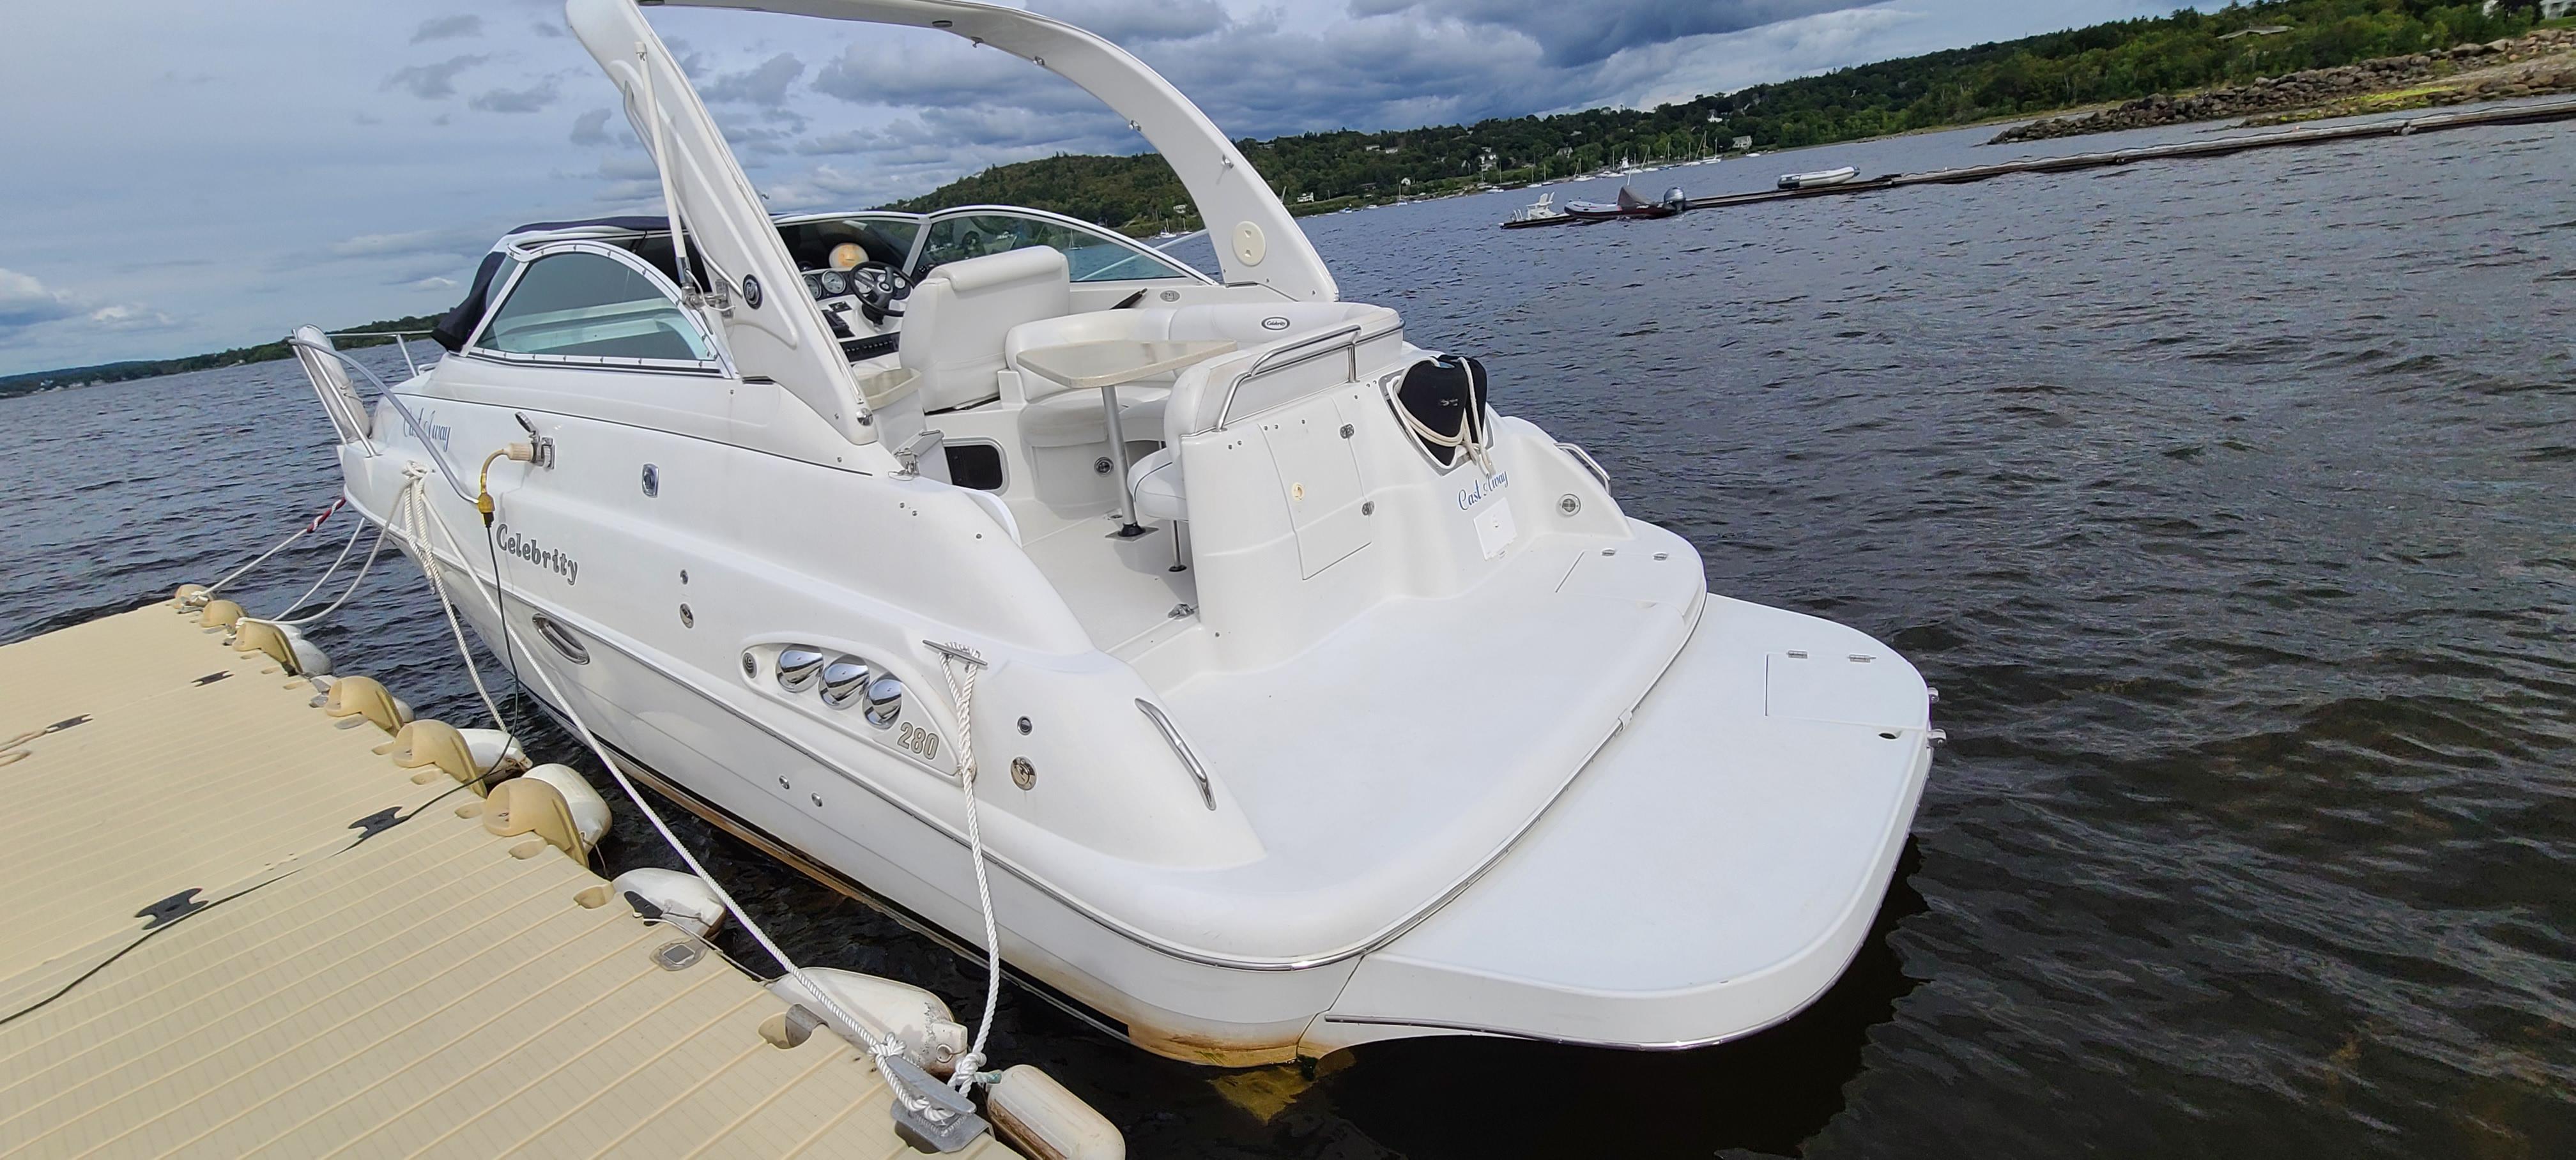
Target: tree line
(117, 372)
(2104, 63)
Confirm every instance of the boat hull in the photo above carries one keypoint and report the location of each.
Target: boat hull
(678, 698)
(1633, 213)
(1697, 828)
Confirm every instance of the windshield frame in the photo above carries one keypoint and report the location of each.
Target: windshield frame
(921, 241)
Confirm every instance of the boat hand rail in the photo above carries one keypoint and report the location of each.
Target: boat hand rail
(1347, 339)
(1585, 458)
(419, 429)
(366, 442)
(1181, 749)
(402, 341)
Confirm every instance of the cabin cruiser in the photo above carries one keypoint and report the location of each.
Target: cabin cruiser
(1313, 700)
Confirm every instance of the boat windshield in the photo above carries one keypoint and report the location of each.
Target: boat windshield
(1089, 255)
(887, 238)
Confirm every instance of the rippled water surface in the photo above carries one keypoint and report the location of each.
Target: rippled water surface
(2227, 502)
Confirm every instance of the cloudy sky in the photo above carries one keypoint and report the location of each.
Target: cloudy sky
(187, 177)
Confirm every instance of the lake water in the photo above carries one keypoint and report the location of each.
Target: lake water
(2227, 502)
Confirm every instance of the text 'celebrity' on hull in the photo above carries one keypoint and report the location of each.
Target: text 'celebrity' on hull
(1312, 701)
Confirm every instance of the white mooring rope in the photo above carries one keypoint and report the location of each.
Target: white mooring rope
(327, 573)
(363, 567)
(1469, 439)
(963, 691)
(879, 1043)
(416, 516)
(306, 530)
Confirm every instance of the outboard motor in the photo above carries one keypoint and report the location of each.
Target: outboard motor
(1676, 200)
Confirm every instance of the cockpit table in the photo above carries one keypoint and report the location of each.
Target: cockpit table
(1108, 366)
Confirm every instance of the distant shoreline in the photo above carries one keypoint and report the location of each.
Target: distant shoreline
(2050, 84)
(34, 382)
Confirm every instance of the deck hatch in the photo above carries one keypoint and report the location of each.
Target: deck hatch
(1319, 478)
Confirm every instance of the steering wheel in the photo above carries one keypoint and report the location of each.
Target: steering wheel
(881, 289)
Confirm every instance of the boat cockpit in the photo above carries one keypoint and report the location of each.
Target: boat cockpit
(938, 316)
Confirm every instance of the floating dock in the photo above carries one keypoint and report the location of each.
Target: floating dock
(237, 930)
(2527, 114)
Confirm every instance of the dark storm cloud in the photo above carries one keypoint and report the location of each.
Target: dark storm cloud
(431, 82)
(764, 84)
(1576, 35)
(1254, 77)
(591, 128)
(528, 100)
(1130, 23)
(25, 302)
(448, 28)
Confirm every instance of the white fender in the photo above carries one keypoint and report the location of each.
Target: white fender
(310, 660)
(490, 748)
(909, 1013)
(685, 901)
(1035, 1114)
(589, 811)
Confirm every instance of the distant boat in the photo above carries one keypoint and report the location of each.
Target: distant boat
(1542, 212)
(1817, 178)
(1628, 206)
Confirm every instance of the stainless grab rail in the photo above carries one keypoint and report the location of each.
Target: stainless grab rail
(332, 400)
(1307, 349)
(419, 429)
(1181, 749)
(402, 341)
(1589, 464)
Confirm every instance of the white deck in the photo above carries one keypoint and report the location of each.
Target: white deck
(1692, 892)
(1376, 806)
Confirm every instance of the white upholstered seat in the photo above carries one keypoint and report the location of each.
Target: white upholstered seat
(956, 320)
(1156, 482)
(1199, 394)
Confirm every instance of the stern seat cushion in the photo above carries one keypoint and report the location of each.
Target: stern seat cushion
(1156, 481)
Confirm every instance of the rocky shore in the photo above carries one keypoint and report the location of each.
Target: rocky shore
(2539, 63)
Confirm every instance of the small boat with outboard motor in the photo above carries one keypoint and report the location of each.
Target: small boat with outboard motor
(1542, 212)
(1629, 206)
(1216, 646)
(1818, 178)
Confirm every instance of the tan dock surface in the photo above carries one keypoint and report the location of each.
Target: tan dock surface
(365, 972)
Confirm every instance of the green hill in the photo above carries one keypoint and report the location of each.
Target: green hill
(117, 372)
(2033, 75)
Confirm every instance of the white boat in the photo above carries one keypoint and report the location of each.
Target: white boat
(1817, 178)
(1542, 212)
(1351, 709)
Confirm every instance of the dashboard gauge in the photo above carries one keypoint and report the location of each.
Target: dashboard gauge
(848, 255)
(814, 285)
(834, 283)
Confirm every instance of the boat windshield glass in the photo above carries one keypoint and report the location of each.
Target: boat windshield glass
(1089, 256)
(589, 305)
(885, 237)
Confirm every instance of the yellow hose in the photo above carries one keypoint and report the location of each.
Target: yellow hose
(483, 486)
